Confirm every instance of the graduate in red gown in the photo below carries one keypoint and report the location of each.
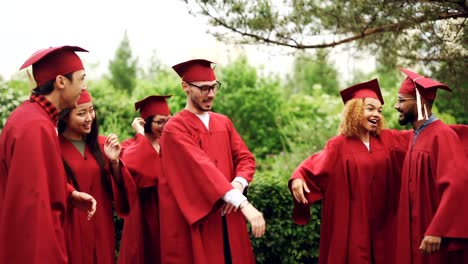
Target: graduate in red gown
(92, 165)
(357, 177)
(34, 195)
(432, 215)
(140, 237)
(206, 166)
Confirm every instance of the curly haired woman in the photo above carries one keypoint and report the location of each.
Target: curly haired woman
(357, 177)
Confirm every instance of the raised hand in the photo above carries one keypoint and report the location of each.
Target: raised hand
(138, 125)
(112, 148)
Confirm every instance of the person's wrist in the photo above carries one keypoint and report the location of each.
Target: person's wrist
(244, 204)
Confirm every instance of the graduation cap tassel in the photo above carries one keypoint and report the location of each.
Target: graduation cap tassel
(425, 113)
(418, 104)
(31, 79)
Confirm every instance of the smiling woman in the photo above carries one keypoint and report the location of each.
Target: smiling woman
(92, 165)
(357, 176)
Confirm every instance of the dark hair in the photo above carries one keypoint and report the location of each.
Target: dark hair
(48, 87)
(148, 123)
(91, 140)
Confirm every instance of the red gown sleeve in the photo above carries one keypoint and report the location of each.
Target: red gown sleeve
(451, 183)
(125, 195)
(314, 171)
(194, 180)
(136, 157)
(400, 140)
(32, 197)
(243, 158)
(462, 132)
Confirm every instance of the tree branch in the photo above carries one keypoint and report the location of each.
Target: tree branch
(426, 59)
(365, 33)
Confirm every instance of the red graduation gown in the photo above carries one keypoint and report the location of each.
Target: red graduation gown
(359, 192)
(93, 241)
(140, 237)
(198, 167)
(433, 197)
(33, 197)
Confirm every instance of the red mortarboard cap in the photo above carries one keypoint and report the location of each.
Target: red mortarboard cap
(426, 86)
(370, 89)
(50, 62)
(153, 105)
(85, 97)
(198, 70)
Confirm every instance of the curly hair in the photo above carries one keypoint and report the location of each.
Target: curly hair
(351, 117)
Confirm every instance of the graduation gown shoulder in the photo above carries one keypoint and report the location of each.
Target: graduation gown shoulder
(33, 198)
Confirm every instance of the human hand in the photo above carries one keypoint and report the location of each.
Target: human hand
(227, 207)
(298, 187)
(138, 125)
(112, 148)
(430, 244)
(84, 202)
(254, 217)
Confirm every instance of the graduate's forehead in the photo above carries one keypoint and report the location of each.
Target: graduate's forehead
(84, 106)
(404, 95)
(202, 83)
(372, 102)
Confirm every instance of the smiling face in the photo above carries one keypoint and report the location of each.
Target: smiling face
(407, 107)
(79, 121)
(361, 117)
(197, 102)
(155, 124)
(372, 114)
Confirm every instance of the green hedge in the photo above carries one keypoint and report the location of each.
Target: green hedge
(284, 242)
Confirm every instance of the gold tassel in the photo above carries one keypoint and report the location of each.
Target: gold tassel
(32, 83)
(418, 104)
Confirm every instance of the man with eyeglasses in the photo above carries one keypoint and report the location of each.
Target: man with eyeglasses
(206, 167)
(432, 213)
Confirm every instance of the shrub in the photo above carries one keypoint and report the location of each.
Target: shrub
(284, 242)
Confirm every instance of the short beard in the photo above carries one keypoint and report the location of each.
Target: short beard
(197, 105)
(407, 118)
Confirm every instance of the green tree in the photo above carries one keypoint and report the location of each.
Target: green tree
(403, 27)
(428, 35)
(310, 71)
(254, 104)
(455, 103)
(123, 68)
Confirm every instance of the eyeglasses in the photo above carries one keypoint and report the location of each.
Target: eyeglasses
(401, 100)
(205, 89)
(160, 123)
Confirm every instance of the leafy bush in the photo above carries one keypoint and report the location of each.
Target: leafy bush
(10, 98)
(284, 242)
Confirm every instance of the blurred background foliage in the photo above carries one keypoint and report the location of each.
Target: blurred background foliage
(283, 119)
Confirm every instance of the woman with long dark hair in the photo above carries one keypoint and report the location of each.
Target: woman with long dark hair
(92, 165)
